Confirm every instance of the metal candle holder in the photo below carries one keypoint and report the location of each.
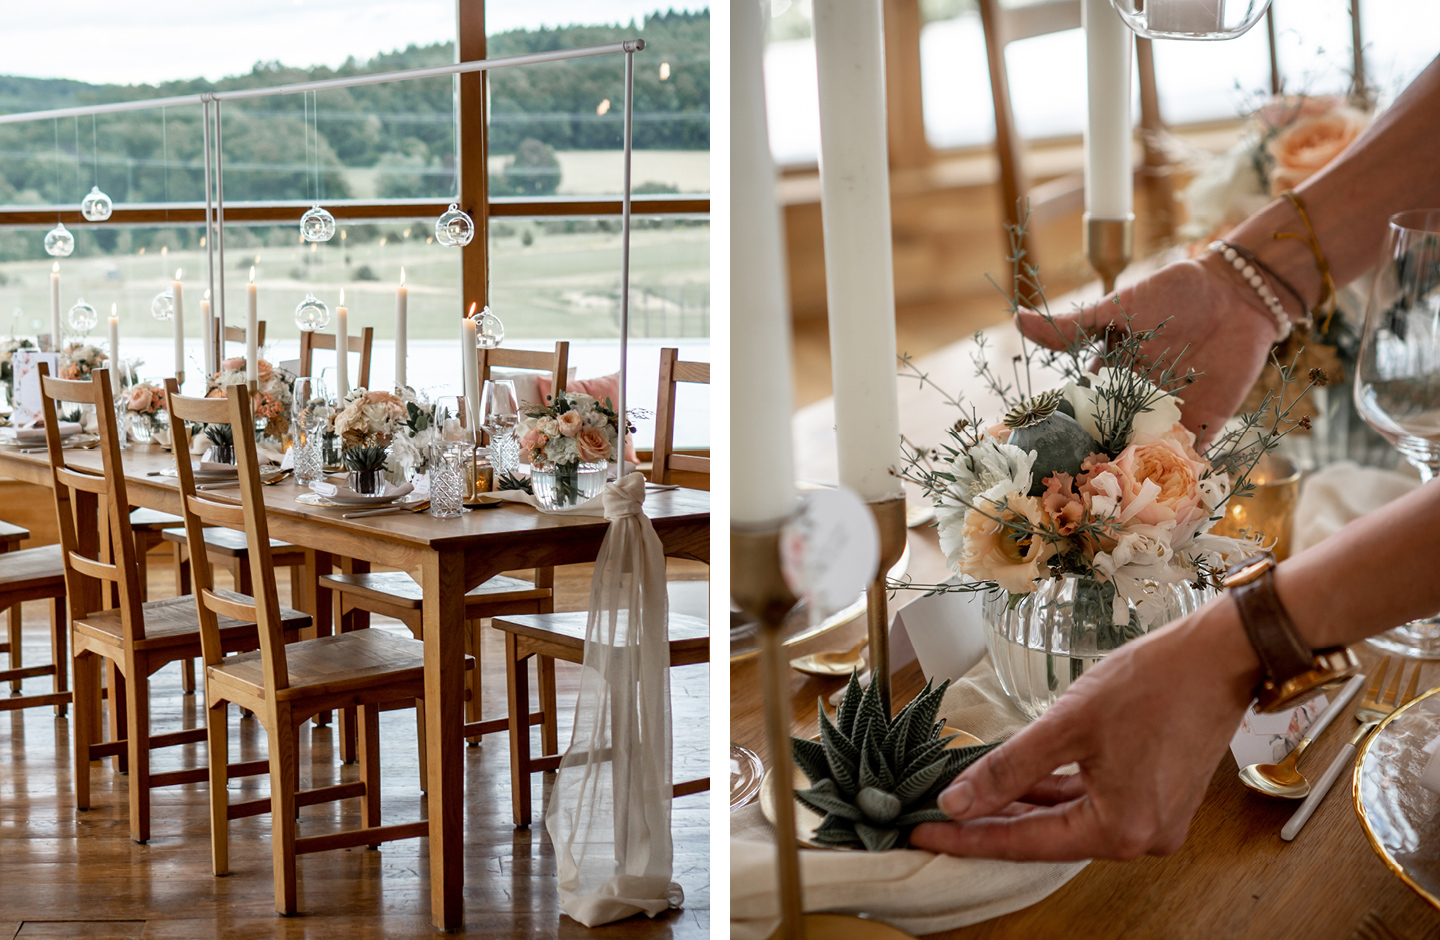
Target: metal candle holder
(1109, 244)
(890, 519)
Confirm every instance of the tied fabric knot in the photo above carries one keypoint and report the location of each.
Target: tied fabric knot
(624, 498)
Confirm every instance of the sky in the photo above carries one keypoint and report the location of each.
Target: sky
(104, 41)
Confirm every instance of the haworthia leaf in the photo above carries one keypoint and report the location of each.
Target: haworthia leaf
(874, 771)
(824, 798)
(877, 839)
(917, 784)
(810, 758)
(930, 814)
(849, 706)
(926, 755)
(956, 760)
(878, 805)
(842, 755)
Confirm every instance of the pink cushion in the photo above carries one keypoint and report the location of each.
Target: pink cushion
(606, 386)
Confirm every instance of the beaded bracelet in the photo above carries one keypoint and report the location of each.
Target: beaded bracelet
(1256, 280)
(1325, 306)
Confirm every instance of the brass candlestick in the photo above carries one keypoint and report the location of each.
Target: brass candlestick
(759, 590)
(1109, 244)
(890, 518)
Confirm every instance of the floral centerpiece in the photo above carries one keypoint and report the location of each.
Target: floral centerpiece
(145, 406)
(78, 360)
(413, 435)
(367, 423)
(569, 443)
(1085, 514)
(273, 397)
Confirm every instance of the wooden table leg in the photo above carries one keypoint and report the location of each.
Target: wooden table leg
(318, 602)
(443, 578)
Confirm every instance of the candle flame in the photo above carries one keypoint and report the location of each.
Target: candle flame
(252, 274)
(164, 251)
(114, 310)
(472, 310)
(55, 268)
(664, 71)
(207, 294)
(140, 252)
(342, 296)
(402, 275)
(202, 241)
(382, 242)
(178, 272)
(603, 107)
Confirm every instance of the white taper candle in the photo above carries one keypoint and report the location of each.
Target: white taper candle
(859, 280)
(1109, 191)
(55, 335)
(179, 290)
(342, 347)
(115, 368)
(402, 303)
(252, 331)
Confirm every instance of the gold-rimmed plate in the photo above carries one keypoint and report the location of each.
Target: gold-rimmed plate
(1399, 816)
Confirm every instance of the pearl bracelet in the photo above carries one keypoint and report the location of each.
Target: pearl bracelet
(1256, 280)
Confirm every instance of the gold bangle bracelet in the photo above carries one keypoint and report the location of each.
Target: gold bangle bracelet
(1325, 306)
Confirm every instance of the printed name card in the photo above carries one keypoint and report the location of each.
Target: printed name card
(26, 362)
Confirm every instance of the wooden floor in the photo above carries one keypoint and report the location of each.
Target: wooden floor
(69, 874)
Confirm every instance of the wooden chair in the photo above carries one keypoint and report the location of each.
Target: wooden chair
(236, 334)
(137, 637)
(284, 683)
(673, 370)
(311, 341)
(551, 636)
(1004, 24)
(396, 594)
(32, 574)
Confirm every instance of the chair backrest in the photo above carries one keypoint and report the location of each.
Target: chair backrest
(201, 509)
(556, 363)
(673, 370)
(1006, 24)
(91, 562)
(236, 334)
(311, 340)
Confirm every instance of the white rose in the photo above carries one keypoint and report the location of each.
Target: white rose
(1161, 413)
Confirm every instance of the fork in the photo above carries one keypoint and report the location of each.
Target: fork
(1374, 708)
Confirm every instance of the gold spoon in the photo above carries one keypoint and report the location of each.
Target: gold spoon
(831, 662)
(1283, 780)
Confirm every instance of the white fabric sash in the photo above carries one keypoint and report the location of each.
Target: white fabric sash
(609, 814)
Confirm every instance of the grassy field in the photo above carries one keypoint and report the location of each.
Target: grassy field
(561, 285)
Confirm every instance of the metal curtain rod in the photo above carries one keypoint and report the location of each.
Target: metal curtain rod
(478, 65)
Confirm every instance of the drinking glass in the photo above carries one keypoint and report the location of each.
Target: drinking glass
(447, 477)
(499, 414)
(310, 417)
(1397, 382)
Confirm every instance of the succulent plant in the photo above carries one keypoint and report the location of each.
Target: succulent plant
(875, 780)
(509, 481)
(364, 458)
(219, 433)
(1059, 442)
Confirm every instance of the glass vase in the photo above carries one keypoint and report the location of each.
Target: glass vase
(140, 428)
(559, 486)
(368, 482)
(1047, 639)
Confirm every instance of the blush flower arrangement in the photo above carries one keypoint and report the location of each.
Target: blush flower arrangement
(146, 400)
(573, 429)
(367, 423)
(273, 398)
(78, 360)
(1094, 478)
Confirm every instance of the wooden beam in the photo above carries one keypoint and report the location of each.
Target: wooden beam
(472, 159)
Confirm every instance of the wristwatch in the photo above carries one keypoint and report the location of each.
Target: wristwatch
(1293, 670)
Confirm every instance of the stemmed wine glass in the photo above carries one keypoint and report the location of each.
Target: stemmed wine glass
(1397, 383)
(499, 414)
(310, 412)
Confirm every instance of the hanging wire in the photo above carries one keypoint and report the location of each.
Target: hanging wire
(305, 121)
(79, 184)
(165, 159)
(315, 116)
(57, 170)
(95, 148)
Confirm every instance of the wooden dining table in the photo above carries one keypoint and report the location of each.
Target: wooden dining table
(449, 557)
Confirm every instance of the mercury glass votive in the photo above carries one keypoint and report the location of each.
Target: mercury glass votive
(1270, 507)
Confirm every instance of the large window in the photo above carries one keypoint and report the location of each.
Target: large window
(386, 159)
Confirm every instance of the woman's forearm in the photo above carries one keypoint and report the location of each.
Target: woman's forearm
(1376, 573)
(1389, 169)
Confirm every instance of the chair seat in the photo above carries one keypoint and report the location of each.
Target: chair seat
(689, 636)
(227, 542)
(32, 568)
(12, 534)
(344, 663)
(400, 590)
(174, 621)
(148, 520)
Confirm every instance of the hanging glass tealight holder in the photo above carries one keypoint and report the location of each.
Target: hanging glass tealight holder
(311, 314)
(1190, 19)
(489, 331)
(454, 229)
(317, 225)
(96, 206)
(82, 318)
(163, 306)
(59, 243)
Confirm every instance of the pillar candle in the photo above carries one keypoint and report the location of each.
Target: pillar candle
(342, 347)
(471, 371)
(252, 332)
(859, 280)
(1109, 190)
(207, 325)
(402, 300)
(55, 334)
(179, 292)
(762, 472)
(115, 368)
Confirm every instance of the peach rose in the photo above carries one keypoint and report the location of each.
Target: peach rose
(235, 364)
(263, 370)
(1154, 481)
(999, 552)
(534, 440)
(592, 445)
(570, 423)
(1062, 503)
(142, 398)
(71, 371)
(1306, 146)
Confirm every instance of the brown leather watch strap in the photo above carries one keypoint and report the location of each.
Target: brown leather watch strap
(1281, 650)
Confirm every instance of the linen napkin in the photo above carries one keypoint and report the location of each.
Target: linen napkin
(1335, 496)
(594, 506)
(331, 491)
(918, 892)
(36, 435)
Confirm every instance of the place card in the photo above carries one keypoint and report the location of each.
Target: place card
(829, 550)
(28, 409)
(1266, 739)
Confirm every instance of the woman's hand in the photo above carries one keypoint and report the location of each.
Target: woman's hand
(1147, 726)
(1207, 325)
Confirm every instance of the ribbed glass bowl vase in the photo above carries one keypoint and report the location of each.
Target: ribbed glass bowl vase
(1050, 637)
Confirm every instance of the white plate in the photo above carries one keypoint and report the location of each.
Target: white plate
(350, 502)
(27, 437)
(205, 476)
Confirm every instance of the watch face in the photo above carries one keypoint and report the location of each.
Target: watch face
(1247, 571)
